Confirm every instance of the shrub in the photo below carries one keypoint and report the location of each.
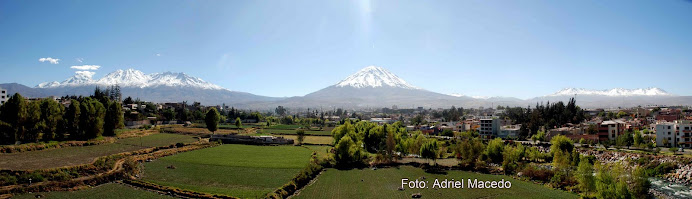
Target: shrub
(32, 177)
(6, 179)
(536, 173)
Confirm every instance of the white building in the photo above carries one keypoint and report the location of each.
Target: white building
(3, 96)
(509, 131)
(676, 134)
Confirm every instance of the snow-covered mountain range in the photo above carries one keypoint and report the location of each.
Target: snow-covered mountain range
(373, 77)
(133, 78)
(371, 87)
(615, 92)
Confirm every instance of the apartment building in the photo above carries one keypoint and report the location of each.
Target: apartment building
(674, 134)
(3, 96)
(610, 130)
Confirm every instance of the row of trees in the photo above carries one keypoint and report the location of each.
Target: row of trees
(46, 120)
(546, 116)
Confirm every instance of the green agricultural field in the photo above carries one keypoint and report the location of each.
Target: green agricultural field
(293, 132)
(384, 183)
(105, 191)
(244, 171)
(70, 156)
(322, 151)
(311, 139)
(285, 126)
(156, 140)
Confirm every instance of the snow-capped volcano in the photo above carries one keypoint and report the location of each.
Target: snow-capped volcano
(133, 78)
(615, 92)
(374, 76)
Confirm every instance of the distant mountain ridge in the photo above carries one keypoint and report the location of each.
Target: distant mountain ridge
(371, 87)
(615, 92)
(133, 78)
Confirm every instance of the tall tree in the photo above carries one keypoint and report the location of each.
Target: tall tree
(91, 118)
(113, 119)
(12, 116)
(51, 116)
(71, 119)
(212, 120)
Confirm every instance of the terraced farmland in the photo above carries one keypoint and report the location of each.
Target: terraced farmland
(69, 156)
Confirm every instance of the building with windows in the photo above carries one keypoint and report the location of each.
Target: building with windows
(610, 130)
(674, 134)
(3, 96)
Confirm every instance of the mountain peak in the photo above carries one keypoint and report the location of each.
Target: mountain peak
(374, 76)
(615, 92)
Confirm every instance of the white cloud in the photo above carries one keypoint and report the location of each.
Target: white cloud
(85, 73)
(48, 59)
(80, 60)
(86, 67)
(158, 54)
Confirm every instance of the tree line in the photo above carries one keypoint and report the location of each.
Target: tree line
(545, 116)
(45, 120)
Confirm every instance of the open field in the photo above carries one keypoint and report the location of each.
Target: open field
(69, 156)
(293, 132)
(311, 139)
(198, 131)
(322, 151)
(285, 126)
(105, 191)
(383, 183)
(237, 170)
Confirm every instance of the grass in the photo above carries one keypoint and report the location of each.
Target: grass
(312, 139)
(71, 156)
(237, 170)
(105, 191)
(322, 151)
(285, 126)
(293, 132)
(383, 183)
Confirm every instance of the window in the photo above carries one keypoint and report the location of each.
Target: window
(668, 127)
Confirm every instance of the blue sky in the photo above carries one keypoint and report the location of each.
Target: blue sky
(290, 48)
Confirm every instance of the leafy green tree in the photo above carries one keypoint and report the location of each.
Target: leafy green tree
(638, 140)
(391, 145)
(113, 119)
(169, 114)
(238, 123)
(12, 117)
(605, 183)
(71, 119)
(562, 143)
(32, 123)
(51, 116)
(511, 157)
(212, 120)
(640, 183)
(539, 136)
(91, 119)
(343, 130)
(585, 177)
(494, 150)
(301, 136)
(429, 150)
(348, 153)
(470, 150)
